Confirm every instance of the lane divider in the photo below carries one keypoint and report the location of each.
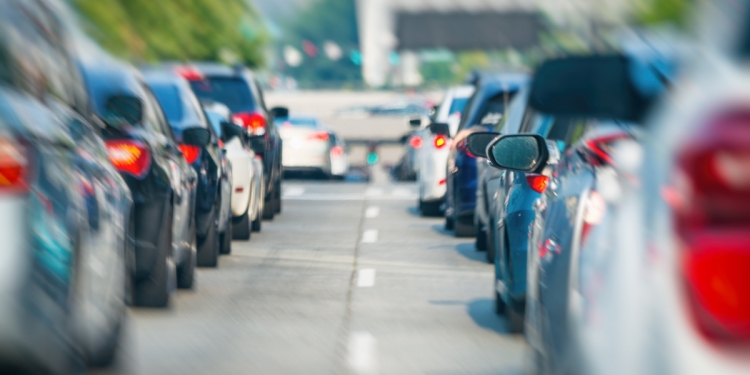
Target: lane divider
(370, 236)
(366, 278)
(363, 353)
(372, 211)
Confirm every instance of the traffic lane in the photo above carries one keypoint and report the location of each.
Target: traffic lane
(274, 306)
(430, 309)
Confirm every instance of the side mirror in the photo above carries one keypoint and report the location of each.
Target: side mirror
(229, 131)
(415, 123)
(440, 129)
(123, 110)
(476, 143)
(257, 144)
(591, 86)
(280, 112)
(519, 152)
(196, 136)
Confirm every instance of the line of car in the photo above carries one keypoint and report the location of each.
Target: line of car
(116, 183)
(610, 192)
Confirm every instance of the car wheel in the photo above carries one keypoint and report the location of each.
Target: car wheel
(105, 355)
(241, 227)
(257, 223)
(515, 312)
(269, 209)
(500, 306)
(430, 208)
(226, 240)
(154, 291)
(186, 272)
(462, 229)
(481, 241)
(449, 223)
(277, 197)
(208, 247)
(490, 239)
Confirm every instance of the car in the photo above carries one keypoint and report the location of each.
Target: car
(142, 147)
(308, 146)
(247, 171)
(209, 162)
(65, 212)
(339, 157)
(432, 156)
(485, 108)
(237, 88)
(572, 218)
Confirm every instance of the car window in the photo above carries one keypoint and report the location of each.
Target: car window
(298, 122)
(457, 105)
(494, 109)
(169, 98)
(232, 92)
(154, 118)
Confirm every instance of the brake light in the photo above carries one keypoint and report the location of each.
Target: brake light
(600, 147)
(253, 122)
(191, 153)
(319, 136)
(536, 182)
(440, 141)
(189, 73)
(13, 167)
(337, 151)
(710, 198)
(415, 141)
(128, 156)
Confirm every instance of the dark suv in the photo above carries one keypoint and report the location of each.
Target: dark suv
(237, 88)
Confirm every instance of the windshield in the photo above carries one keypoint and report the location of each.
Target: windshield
(232, 92)
(215, 120)
(298, 122)
(169, 99)
(457, 105)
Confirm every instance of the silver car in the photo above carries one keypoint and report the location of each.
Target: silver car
(308, 146)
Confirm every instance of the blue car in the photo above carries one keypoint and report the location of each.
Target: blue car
(484, 110)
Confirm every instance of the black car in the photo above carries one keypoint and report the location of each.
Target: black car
(143, 148)
(237, 88)
(212, 210)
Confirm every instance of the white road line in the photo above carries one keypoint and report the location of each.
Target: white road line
(373, 192)
(370, 236)
(293, 191)
(363, 353)
(366, 278)
(372, 211)
(402, 192)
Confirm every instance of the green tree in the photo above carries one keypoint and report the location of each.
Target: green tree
(176, 29)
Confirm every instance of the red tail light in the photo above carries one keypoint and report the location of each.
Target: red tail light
(129, 156)
(710, 197)
(319, 136)
(337, 151)
(536, 182)
(440, 141)
(13, 167)
(600, 147)
(415, 141)
(189, 73)
(191, 153)
(253, 122)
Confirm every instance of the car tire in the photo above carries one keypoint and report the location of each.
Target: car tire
(462, 230)
(226, 240)
(490, 240)
(269, 209)
(186, 272)
(430, 208)
(481, 241)
(154, 291)
(500, 306)
(241, 227)
(106, 354)
(208, 247)
(449, 223)
(277, 197)
(515, 316)
(257, 223)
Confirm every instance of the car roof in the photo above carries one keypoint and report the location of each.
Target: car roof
(168, 78)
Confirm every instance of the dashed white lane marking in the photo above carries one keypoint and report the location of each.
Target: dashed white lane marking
(374, 192)
(293, 191)
(370, 236)
(366, 278)
(401, 192)
(372, 211)
(363, 353)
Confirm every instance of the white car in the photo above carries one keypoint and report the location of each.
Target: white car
(432, 155)
(310, 147)
(247, 174)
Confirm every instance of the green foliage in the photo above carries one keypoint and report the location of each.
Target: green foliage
(176, 29)
(650, 12)
(325, 20)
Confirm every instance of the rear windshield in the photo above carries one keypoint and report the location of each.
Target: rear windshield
(494, 109)
(298, 122)
(232, 92)
(169, 98)
(457, 105)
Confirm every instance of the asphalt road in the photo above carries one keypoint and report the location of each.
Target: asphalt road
(349, 279)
